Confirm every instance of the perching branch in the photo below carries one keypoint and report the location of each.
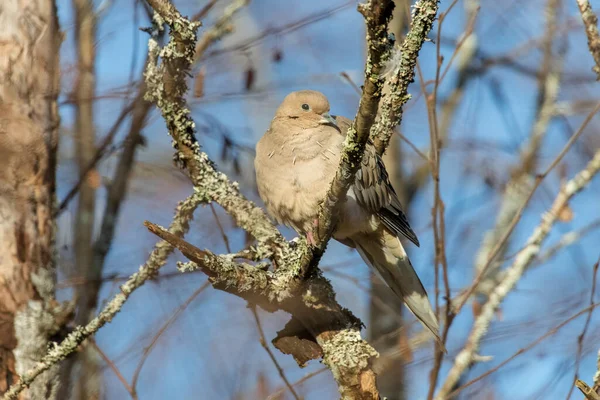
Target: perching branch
(377, 15)
(336, 331)
(309, 299)
(424, 13)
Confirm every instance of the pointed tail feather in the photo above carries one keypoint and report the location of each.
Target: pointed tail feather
(384, 252)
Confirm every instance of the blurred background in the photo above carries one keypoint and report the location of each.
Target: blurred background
(515, 76)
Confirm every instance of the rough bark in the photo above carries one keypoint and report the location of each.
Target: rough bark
(29, 47)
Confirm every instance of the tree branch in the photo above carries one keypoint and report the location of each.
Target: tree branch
(590, 21)
(402, 75)
(157, 259)
(515, 272)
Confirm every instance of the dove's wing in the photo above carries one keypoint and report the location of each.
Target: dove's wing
(374, 191)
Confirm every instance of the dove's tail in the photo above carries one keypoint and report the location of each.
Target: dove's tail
(383, 251)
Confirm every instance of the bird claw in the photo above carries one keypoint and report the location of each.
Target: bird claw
(311, 239)
(309, 235)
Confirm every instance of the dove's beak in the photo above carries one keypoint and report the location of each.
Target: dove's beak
(327, 119)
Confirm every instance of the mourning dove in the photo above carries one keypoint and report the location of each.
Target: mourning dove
(296, 160)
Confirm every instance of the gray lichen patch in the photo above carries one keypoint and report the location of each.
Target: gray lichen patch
(33, 325)
(347, 354)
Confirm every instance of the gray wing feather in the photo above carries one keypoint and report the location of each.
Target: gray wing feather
(374, 191)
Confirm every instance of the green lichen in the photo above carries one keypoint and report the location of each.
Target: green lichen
(347, 355)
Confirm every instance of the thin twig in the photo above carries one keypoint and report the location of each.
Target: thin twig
(221, 230)
(586, 325)
(263, 343)
(515, 272)
(438, 211)
(148, 349)
(179, 226)
(520, 352)
(114, 368)
(100, 153)
(300, 381)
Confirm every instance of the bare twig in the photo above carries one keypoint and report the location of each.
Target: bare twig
(263, 343)
(515, 272)
(161, 330)
(180, 225)
(113, 367)
(437, 211)
(300, 381)
(221, 230)
(100, 153)
(586, 325)
(523, 350)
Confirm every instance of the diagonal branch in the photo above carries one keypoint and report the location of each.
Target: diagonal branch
(309, 299)
(522, 260)
(157, 259)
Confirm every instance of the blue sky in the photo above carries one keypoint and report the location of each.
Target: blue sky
(213, 348)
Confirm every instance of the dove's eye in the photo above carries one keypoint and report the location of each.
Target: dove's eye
(305, 107)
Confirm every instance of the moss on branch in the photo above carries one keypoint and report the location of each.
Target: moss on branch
(423, 15)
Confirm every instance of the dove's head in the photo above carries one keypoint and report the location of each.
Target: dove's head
(306, 105)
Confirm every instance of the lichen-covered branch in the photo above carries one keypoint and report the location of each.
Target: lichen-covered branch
(402, 75)
(167, 87)
(157, 259)
(334, 328)
(590, 21)
(377, 16)
(522, 260)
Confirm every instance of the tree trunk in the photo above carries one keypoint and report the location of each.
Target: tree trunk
(29, 47)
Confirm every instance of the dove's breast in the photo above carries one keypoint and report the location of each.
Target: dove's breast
(293, 177)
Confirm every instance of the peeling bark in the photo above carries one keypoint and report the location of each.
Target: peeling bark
(29, 46)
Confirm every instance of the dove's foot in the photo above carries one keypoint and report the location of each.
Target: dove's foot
(311, 239)
(309, 235)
